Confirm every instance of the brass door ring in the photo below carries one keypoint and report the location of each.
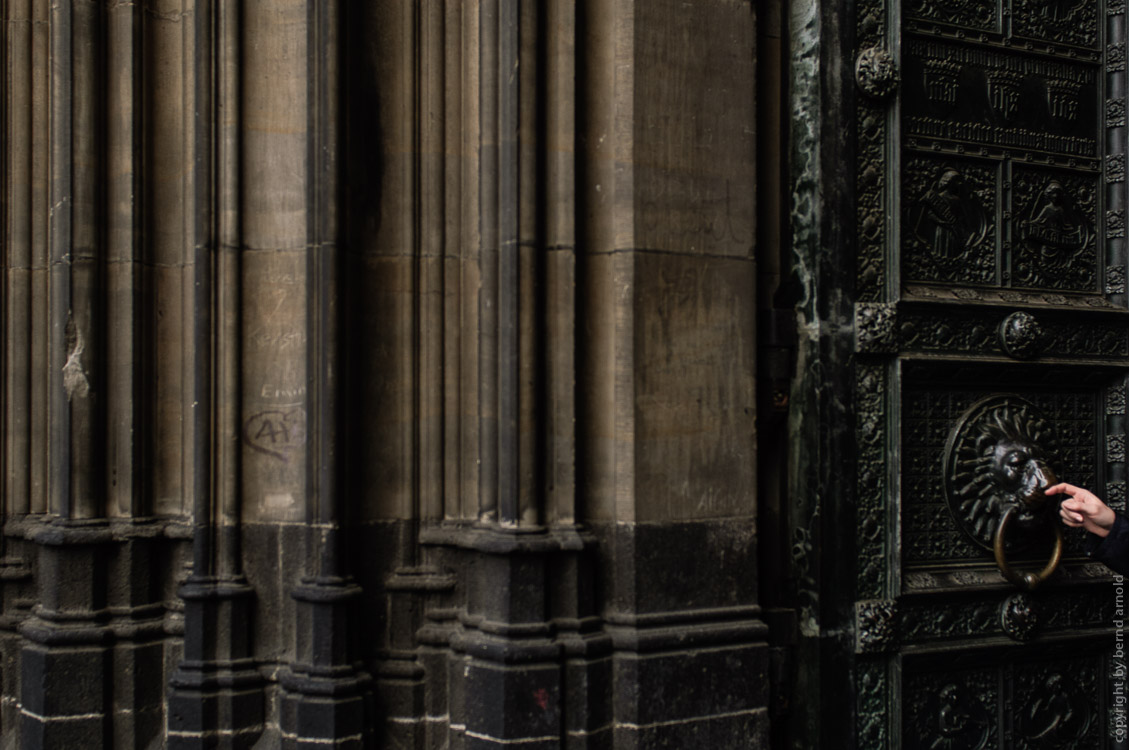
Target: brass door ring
(1026, 581)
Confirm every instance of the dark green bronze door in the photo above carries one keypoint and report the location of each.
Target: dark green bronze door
(991, 344)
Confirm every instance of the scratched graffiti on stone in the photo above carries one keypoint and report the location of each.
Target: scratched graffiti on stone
(276, 432)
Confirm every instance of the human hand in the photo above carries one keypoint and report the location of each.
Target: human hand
(1083, 509)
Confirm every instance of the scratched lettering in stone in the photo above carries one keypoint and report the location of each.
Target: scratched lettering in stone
(276, 432)
(282, 392)
(278, 341)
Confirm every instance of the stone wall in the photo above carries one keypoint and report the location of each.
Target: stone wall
(380, 375)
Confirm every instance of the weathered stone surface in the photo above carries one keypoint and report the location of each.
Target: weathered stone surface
(695, 401)
(379, 374)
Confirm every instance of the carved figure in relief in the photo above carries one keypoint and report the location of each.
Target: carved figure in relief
(975, 12)
(1054, 224)
(949, 218)
(1056, 715)
(1063, 21)
(962, 721)
(1018, 617)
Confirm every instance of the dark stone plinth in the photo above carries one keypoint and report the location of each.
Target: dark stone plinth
(310, 721)
(42, 733)
(65, 685)
(223, 717)
(138, 687)
(216, 697)
(525, 616)
(513, 703)
(327, 699)
(747, 731)
(588, 703)
(637, 635)
(64, 697)
(63, 682)
(690, 661)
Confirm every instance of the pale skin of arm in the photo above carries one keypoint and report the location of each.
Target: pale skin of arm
(1083, 509)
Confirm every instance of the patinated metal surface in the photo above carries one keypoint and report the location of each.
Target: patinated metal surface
(990, 282)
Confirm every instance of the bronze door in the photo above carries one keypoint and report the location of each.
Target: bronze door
(990, 327)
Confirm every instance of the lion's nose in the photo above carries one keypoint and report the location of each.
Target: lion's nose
(1044, 475)
(1040, 478)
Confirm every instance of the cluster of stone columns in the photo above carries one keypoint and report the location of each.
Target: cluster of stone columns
(379, 374)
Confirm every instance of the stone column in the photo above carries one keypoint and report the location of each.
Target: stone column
(215, 697)
(327, 698)
(475, 259)
(667, 386)
(65, 699)
(80, 302)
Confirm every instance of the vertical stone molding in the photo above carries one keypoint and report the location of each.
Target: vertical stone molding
(65, 634)
(378, 374)
(215, 696)
(327, 698)
(78, 413)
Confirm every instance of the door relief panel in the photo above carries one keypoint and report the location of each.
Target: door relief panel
(1000, 456)
(990, 311)
(954, 496)
(1045, 704)
(950, 208)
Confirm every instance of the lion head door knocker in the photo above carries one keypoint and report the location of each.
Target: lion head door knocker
(998, 461)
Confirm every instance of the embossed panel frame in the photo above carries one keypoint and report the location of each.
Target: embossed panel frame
(921, 583)
(1006, 145)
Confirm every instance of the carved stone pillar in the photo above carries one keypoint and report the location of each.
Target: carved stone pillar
(64, 692)
(327, 699)
(667, 394)
(84, 623)
(215, 696)
(491, 613)
(63, 664)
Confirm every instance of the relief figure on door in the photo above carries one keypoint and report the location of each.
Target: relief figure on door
(1055, 228)
(950, 216)
(950, 219)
